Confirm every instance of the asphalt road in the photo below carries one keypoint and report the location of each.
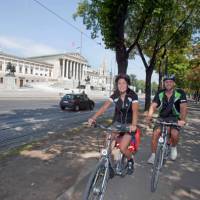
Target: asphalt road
(22, 121)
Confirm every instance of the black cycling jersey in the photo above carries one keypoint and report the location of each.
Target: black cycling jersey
(170, 108)
(123, 109)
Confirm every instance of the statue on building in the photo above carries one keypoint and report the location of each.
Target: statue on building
(10, 79)
(11, 69)
(87, 80)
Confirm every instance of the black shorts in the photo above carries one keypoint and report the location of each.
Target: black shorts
(116, 126)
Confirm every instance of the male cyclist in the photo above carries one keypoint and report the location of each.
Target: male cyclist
(172, 106)
(126, 113)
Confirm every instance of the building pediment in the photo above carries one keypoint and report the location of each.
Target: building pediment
(77, 56)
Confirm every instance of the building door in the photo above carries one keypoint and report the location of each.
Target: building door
(21, 83)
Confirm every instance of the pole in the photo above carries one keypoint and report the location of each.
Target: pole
(81, 43)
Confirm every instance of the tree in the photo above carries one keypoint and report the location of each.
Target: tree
(193, 74)
(171, 27)
(133, 79)
(154, 87)
(117, 21)
(151, 25)
(140, 85)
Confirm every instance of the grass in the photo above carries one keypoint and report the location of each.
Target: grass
(16, 151)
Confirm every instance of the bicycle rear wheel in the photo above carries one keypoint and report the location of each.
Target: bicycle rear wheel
(156, 168)
(98, 180)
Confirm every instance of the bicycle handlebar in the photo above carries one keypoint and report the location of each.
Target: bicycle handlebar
(166, 123)
(122, 128)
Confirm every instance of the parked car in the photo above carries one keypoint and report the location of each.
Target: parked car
(76, 102)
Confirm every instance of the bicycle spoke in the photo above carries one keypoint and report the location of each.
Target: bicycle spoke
(97, 183)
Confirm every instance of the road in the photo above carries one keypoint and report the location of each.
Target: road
(22, 121)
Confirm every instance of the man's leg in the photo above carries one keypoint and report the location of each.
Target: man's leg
(174, 141)
(154, 141)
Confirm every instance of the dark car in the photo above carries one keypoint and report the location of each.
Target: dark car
(76, 102)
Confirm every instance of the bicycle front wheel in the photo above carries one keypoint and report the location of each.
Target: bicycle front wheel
(156, 168)
(98, 180)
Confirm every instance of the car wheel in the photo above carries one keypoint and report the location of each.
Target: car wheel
(62, 107)
(76, 108)
(91, 106)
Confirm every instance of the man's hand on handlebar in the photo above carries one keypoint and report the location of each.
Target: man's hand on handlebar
(181, 123)
(149, 120)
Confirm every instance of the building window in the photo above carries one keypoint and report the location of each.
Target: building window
(31, 70)
(20, 69)
(50, 73)
(1, 80)
(26, 70)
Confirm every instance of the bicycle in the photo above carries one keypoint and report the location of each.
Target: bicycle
(106, 167)
(162, 152)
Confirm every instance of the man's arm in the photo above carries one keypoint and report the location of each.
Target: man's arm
(152, 109)
(183, 113)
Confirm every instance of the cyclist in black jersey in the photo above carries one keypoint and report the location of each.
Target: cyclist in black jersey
(126, 113)
(172, 106)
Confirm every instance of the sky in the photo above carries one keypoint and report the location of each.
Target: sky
(28, 29)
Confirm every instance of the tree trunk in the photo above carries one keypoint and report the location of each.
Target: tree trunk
(122, 59)
(149, 72)
(160, 76)
(166, 65)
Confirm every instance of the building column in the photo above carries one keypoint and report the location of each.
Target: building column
(64, 68)
(79, 71)
(76, 70)
(61, 67)
(67, 65)
(69, 69)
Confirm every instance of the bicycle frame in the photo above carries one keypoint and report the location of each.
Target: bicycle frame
(161, 152)
(163, 141)
(98, 180)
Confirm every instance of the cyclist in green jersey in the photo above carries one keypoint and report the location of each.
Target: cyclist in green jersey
(171, 104)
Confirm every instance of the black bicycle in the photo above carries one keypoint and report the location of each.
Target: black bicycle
(106, 167)
(162, 152)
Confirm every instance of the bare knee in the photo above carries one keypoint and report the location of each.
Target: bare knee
(174, 134)
(156, 134)
(123, 149)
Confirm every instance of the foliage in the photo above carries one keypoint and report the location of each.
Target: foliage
(154, 88)
(193, 74)
(139, 84)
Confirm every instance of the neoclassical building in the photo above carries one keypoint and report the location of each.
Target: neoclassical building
(67, 70)
(72, 69)
(26, 70)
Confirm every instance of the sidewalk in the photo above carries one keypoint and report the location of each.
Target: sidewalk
(56, 167)
(42, 94)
